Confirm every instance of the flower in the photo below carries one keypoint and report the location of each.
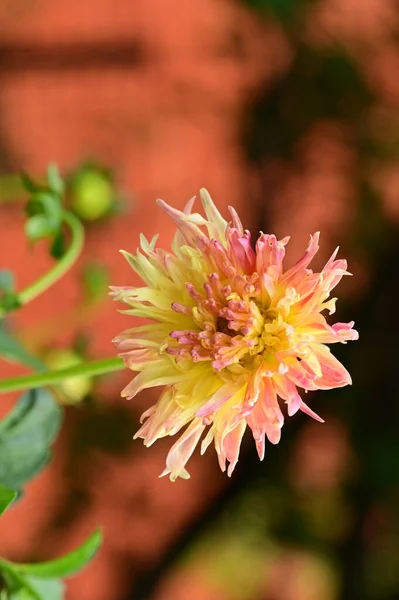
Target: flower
(231, 333)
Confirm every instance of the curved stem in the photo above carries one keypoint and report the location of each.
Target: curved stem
(62, 266)
(59, 269)
(91, 369)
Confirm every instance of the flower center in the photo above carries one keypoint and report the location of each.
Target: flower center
(231, 330)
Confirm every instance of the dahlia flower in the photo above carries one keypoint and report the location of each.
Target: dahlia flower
(232, 335)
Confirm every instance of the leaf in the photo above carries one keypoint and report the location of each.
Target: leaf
(44, 212)
(18, 588)
(29, 184)
(25, 436)
(9, 301)
(13, 351)
(7, 497)
(66, 565)
(58, 246)
(95, 281)
(45, 589)
(40, 581)
(38, 227)
(55, 181)
(8, 297)
(7, 280)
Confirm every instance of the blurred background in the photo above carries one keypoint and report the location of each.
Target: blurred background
(288, 110)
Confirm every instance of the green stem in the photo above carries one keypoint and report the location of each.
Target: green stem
(62, 266)
(24, 382)
(59, 269)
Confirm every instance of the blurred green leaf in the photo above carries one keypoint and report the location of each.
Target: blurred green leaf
(44, 207)
(285, 10)
(41, 581)
(25, 436)
(55, 180)
(29, 184)
(17, 587)
(95, 281)
(9, 301)
(7, 280)
(66, 565)
(8, 297)
(38, 227)
(13, 351)
(58, 246)
(6, 498)
(45, 215)
(45, 589)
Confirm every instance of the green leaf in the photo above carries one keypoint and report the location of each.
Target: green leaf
(55, 181)
(7, 280)
(7, 497)
(66, 565)
(8, 297)
(95, 281)
(20, 587)
(44, 210)
(38, 227)
(45, 589)
(58, 246)
(17, 586)
(13, 351)
(10, 301)
(25, 436)
(40, 581)
(29, 184)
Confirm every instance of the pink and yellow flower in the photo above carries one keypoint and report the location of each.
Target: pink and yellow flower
(231, 333)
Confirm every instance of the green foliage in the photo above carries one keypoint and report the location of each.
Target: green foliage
(29, 429)
(26, 434)
(55, 181)
(44, 208)
(43, 589)
(40, 581)
(285, 10)
(95, 281)
(66, 565)
(7, 497)
(8, 297)
(13, 351)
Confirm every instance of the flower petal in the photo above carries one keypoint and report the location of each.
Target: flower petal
(182, 450)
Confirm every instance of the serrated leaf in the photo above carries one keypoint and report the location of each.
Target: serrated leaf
(7, 497)
(66, 565)
(13, 351)
(26, 434)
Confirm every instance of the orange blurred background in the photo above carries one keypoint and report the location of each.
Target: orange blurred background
(289, 111)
